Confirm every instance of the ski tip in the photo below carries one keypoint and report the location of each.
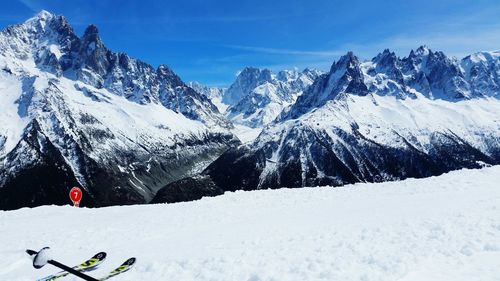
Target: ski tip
(100, 256)
(130, 261)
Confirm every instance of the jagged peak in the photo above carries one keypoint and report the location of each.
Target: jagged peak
(165, 72)
(91, 38)
(424, 51)
(91, 34)
(42, 29)
(349, 57)
(45, 22)
(250, 69)
(41, 19)
(421, 51)
(386, 58)
(253, 69)
(91, 30)
(245, 70)
(348, 60)
(164, 69)
(257, 73)
(385, 54)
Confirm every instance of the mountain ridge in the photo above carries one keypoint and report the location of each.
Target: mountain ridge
(109, 123)
(378, 120)
(258, 95)
(77, 113)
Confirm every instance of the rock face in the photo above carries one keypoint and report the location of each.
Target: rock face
(187, 189)
(384, 119)
(76, 113)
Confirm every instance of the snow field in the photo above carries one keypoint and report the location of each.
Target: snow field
(246, 134)
(438, 228)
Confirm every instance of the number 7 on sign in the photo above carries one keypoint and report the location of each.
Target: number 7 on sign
(75, 194)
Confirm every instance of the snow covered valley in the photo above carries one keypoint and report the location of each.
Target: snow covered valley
(437, 228)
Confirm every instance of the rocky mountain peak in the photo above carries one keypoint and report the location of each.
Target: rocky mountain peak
(166, 74)
(348, 60)
(286, 75)
(44, 22)
(255, 74)
(423, 51)
(91, 41)
(93, 51)
(91, 33)
(346, 69)
(246, 81)
(385, 58)
(388, 63)
(98, 117)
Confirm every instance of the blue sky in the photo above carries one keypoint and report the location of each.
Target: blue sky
(209, 41)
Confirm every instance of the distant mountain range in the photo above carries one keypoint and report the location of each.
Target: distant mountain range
(379, 120)
(258, 96)
(74, 113)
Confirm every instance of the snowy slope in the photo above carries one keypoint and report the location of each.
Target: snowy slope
(246, 134)
(433, 229)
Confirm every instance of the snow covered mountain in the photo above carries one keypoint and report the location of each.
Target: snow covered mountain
(384, 119)
(214, 94)
(482, 70)
(258, 96)
(75, 113)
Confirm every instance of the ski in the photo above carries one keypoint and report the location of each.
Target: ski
(121, 269)
(88, 265)
(42, 258)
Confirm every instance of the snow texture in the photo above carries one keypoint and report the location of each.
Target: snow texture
(433, 229)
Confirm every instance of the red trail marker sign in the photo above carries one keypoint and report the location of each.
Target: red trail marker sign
(75, 194)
